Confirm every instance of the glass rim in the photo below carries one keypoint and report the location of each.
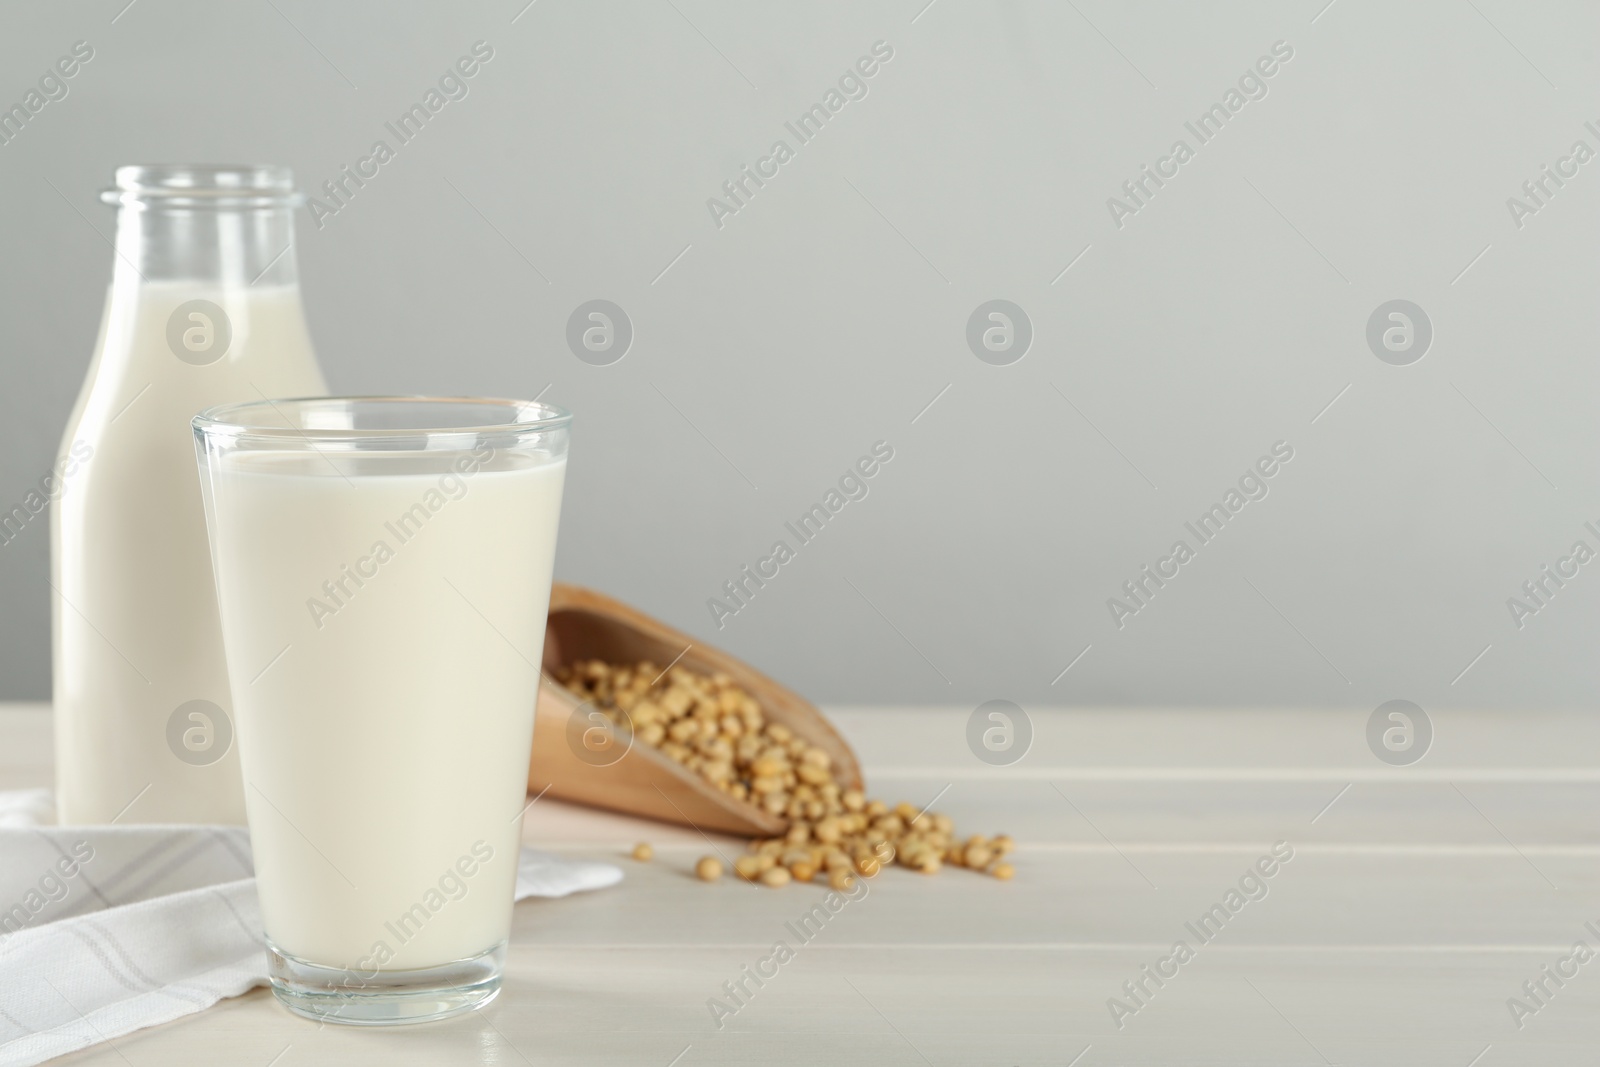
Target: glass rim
(202, 185)
(228, 420)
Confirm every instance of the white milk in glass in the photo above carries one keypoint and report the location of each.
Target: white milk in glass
(394, 606)
(136, 639)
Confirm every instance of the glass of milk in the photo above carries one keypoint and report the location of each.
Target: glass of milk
(383, 570)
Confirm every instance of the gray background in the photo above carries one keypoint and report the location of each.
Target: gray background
(826, 315)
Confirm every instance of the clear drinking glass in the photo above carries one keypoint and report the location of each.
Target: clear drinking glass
(383, 572)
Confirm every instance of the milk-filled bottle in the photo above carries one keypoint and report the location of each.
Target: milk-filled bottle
(204, 308)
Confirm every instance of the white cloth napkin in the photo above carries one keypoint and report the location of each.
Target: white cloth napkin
(109, 929)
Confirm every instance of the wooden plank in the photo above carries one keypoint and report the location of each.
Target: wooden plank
(1411, 911)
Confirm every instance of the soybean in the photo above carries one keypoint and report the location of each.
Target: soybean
(716, 729)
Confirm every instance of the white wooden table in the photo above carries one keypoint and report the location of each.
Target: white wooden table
(1416, 904)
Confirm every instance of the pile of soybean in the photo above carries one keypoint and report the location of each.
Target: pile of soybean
(716, 729)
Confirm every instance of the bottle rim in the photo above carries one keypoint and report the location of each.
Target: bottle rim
(203, 185)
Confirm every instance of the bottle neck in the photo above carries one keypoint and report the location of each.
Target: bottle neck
(226, 248)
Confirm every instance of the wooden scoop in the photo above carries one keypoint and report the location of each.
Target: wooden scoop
(580, 755)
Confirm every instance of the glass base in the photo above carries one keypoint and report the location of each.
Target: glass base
(389, 998)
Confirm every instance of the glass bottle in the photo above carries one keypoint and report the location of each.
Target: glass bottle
(203, 309)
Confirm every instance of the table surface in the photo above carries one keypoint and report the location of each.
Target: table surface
(1418, 901)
